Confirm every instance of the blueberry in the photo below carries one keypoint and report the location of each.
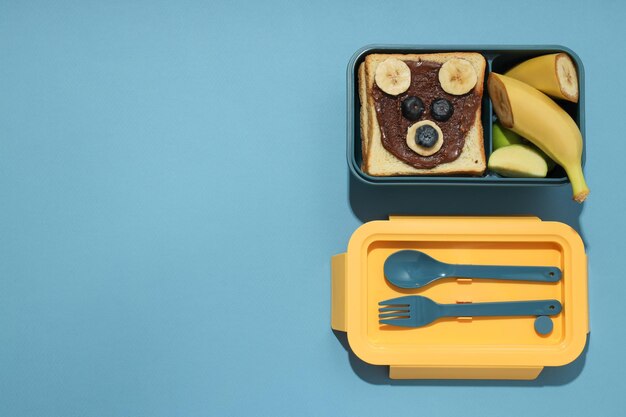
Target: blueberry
(412, 108)
(426, 136)
(441, 109)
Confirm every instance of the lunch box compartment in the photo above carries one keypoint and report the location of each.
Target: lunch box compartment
(499, 59)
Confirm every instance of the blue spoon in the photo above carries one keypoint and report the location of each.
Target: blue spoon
(415, 269)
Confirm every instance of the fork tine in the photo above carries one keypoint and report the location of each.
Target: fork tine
(397, 301)
(404, 308)
(402, 314)
(396, 322)
(394, 305)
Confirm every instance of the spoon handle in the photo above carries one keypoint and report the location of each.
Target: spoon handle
(512, 273)
(506, 308)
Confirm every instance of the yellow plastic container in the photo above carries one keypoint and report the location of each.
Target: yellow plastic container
(463, 348)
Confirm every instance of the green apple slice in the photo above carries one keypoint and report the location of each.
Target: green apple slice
(504, 137)
(518, 161)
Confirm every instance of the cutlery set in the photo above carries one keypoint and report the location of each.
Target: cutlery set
(467, 318)
(412, 269)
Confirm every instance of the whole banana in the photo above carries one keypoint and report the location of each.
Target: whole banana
(533, 115)
(553, 74)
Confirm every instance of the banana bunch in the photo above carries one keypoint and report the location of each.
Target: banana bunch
(521, 106)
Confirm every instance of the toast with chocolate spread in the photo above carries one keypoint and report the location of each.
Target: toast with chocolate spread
(421, 114)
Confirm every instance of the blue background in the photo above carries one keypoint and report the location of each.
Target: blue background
(173, 183)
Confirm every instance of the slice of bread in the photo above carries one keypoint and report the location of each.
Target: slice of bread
(377, 161)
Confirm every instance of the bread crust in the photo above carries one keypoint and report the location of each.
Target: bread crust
(363, 100)
(377, 161)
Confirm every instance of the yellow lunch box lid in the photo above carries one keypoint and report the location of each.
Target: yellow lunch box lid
(464, 347)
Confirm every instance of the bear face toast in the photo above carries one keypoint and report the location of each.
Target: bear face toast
(421, 114)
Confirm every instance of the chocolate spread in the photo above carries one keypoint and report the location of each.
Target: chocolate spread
(425, 85)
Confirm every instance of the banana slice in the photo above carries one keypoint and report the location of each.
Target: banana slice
(457, 76)
(393, 76)
(414, 142)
